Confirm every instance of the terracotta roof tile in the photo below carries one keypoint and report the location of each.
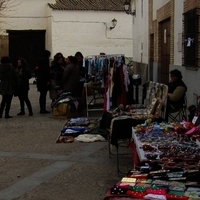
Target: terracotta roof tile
(96, 5)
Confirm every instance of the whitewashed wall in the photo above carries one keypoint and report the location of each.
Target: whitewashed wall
(22, 14)
(71, 31)
(178, 30)
(89, 32)
(140, 32)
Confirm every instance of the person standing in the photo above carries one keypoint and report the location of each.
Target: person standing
(8, 85)
(23, 87)
(43, 79)
(58, 67)
(80, 58)
(80, 63)
(71, 76)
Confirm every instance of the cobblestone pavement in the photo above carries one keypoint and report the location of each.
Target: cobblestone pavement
(34, 166)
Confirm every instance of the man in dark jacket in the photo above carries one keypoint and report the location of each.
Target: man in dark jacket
(43, 79)
(8, 85)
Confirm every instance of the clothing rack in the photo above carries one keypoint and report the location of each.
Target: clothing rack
(106, 56)
(100, 94)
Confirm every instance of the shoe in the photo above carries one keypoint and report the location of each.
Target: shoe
(30, 114)
(44, 112)
(21, 113)
(8, 116)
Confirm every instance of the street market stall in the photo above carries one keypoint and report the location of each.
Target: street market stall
(168, 165)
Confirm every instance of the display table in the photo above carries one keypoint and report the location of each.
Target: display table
(168, 147)
(153, 108)
(138, 147)
(168, 167)
(143, 188)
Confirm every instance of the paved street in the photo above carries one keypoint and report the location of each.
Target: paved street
(34, 166)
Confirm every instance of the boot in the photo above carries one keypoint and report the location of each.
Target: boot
(21, 113)
(8, 116)
(30, 113)
(1, 112)
(28, 103)
(7, 110)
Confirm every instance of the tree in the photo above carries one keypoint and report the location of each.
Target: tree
(3, 5)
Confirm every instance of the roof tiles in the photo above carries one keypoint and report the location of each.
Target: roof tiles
(96, 5)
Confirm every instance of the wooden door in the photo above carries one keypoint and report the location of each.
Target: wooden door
(165, 50)
(27, 44)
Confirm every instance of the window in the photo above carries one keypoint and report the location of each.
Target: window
(190, 38)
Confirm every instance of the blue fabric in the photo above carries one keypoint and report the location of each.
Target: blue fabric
(77, 129)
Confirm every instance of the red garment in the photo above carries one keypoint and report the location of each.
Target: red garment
(106, 104)
(122, 98)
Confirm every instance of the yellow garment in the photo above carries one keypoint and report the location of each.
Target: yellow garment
(177, 94)
(60, 110)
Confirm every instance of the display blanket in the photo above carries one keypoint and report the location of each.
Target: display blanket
(81, 129)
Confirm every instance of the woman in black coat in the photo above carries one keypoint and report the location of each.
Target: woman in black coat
(57, 67)
(43, 79)
(23, 87)
(8, 85)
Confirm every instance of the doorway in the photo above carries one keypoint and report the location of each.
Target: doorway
(164, 28)
(28, 44)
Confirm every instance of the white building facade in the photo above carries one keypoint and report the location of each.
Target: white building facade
(69, 31)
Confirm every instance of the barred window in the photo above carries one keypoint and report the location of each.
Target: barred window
(190, 38)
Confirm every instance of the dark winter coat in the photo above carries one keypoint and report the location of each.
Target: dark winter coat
(8, 79)
(58, 69)
(24, 77)
(71, 79)
(43, 74)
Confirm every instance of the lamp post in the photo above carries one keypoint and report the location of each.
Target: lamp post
(114, 23)
(127, 8)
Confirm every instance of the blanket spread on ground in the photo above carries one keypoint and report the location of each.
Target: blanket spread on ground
(81, 129)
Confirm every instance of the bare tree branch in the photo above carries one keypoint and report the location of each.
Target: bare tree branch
(3, 4)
